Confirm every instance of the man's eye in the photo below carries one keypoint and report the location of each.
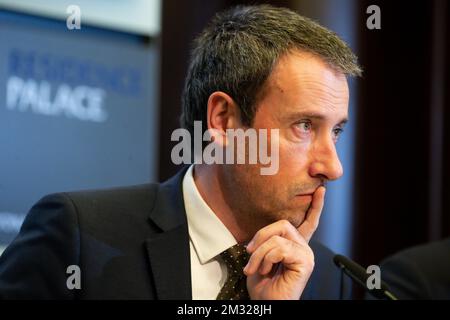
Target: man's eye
(337, 132)
(304, 127)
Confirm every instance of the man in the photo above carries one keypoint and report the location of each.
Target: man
(421, 272)
(220, 231)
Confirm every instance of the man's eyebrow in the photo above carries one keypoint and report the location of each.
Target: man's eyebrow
(311, 115)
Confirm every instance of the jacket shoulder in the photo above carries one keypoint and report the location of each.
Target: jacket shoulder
(115, 216)
(129, 200)
(117, 199)
(34, 265)
(415, 273)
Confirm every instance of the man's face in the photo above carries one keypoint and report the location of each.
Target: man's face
(308, 102)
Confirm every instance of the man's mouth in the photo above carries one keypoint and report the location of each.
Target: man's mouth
(310, 192)
(305, 194)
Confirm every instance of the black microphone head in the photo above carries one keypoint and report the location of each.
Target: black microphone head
(356, 269)
(360, 275)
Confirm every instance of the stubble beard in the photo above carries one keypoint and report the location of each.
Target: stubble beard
(252, 209)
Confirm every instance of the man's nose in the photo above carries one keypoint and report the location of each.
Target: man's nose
(325, 160)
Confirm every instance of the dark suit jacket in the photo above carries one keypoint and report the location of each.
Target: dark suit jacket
(422, 272)
(130, 243)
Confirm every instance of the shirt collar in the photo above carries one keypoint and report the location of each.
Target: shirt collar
(208, 234)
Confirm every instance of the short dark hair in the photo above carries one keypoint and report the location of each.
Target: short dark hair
(238, 50)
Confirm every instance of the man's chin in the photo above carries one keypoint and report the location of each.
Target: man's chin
(294, 212)
(297, 221)
(299, 215)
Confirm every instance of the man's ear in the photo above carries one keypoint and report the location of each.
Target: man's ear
(223, 113)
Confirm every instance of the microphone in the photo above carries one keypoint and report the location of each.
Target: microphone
(359, 275)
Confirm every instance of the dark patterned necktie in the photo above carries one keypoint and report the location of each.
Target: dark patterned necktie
(235, 288)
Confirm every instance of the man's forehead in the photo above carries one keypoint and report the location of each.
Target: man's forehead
(305, 73)
(308, 70)
(304, 62)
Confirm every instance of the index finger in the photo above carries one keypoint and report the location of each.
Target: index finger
(282, 228)
(309, 226)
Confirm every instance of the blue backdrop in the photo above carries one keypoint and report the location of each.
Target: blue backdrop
(78, 109)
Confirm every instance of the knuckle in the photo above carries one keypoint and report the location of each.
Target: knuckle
(311, 265)
(311, 258)
(309, 261)
(285, 224)
(278, 240)
(258, 235)
(285, 252)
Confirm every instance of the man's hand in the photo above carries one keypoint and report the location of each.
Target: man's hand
(281, 260)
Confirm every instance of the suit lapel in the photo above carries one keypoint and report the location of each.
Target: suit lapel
(168, 250)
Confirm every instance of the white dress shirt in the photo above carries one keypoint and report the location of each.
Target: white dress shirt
(208, 237)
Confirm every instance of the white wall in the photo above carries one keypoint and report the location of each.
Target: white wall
(135, 16)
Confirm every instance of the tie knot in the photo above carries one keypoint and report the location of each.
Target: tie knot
(235, 258)
(235, 287)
